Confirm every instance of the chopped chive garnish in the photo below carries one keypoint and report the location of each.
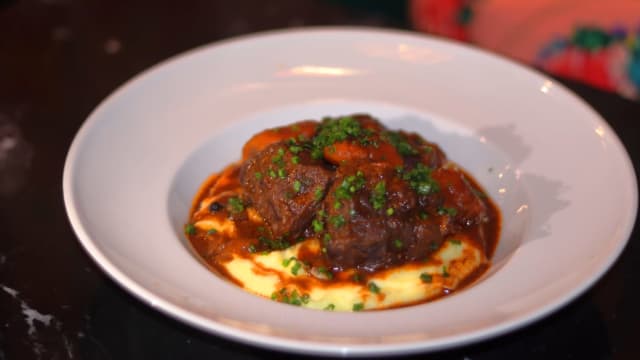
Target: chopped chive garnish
(399, 141)
(326, 238)
(189, 229)
(279, 158)
(317, 225)
(419, 178)
(297, 186)
(379, 195)
(294, 298)
(427, 278)
(296, 267)
(318, 193)
(291, 298)
(373, 287)
(358, 307)
(337, 220)
(445, 273)
(333, 130)
(286, 262)
(350, 185)
(305, 298)
(274, 244)
(324, 271)
(236, 205)
(447, 211)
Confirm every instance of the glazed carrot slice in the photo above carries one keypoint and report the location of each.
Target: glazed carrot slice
(345, 151)
(386, 152)
(271, 136)
(458, 193)
(349, 151)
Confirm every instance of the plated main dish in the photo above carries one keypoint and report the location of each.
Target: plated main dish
(344, 214)
(550, 213)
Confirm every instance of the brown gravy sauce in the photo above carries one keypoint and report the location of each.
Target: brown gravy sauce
(216, 249)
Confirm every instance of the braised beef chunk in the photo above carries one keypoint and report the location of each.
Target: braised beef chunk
(285, 185)
(429, 153)
(460, 200)
(375, 197)
(372, 221)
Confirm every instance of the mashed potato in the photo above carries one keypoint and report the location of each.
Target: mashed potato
(278, 275)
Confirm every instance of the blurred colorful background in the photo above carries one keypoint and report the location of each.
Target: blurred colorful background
(593, 41)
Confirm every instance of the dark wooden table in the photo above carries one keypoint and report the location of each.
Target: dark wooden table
(60, 58)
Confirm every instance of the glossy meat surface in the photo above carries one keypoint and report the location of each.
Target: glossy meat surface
(374, 197)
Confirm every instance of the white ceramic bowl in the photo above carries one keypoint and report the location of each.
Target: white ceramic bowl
(558, 172)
